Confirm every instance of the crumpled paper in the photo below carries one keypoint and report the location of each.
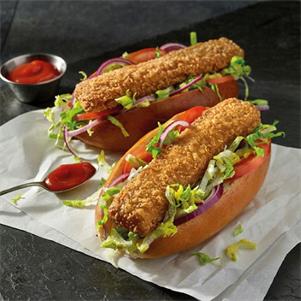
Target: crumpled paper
(271, 220)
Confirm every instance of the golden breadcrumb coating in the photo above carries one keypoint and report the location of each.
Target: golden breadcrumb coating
(141, 205)
(99, 93)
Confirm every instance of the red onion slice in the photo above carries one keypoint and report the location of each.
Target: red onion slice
(119, 179)
(172, 46)
(198, 78)
(263, 108)
(83, 129)
(67, 142)
(72, 101)
(216, 194)
(171, 127)
(117, 60)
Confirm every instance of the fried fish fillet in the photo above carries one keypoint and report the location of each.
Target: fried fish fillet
(99, 93)
(141, 205)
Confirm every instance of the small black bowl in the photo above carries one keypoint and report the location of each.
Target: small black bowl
(40, 92)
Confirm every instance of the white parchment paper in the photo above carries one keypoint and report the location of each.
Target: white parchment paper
(272, 220)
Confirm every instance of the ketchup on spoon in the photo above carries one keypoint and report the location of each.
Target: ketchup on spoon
(65, 177)
(68, 176)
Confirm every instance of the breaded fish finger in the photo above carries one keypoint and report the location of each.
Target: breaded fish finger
(141, 204)
(99, 93)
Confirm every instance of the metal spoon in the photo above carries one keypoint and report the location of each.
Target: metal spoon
(63, 178)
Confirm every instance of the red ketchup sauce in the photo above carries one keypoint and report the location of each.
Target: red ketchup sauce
(68, 176)
(33, 72)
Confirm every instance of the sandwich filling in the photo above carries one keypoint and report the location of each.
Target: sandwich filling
(71, 117)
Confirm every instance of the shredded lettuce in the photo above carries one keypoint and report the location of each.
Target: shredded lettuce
(185, 199)
(75, 203)
(193, 38)
(143, 104)
(55, 131)
(16, 199)
(110, 192)
(125, 54)
(232, 250)
(90, 200)
(117, 242)
(163, 230)
(102, 182)
(215, 89)
(238, 230)
(76, 159)
(162, 94)
(49, 114)
(263, 133)
(101, 158)
(239, 70)
(120, 239)
(117, 123)
(259, 102)
(135, 171)
(90, 132)
(204, 258)
(62, 99)
(157, 52)
(135, 161)
(67, 117)
(84, 75)
(236, 142)
(227, 159)
(103, 163)
(127, 101)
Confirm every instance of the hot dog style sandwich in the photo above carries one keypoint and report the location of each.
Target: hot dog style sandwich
(127, 96)
(183, 182)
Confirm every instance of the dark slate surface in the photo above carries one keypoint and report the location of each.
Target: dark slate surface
(75, 29)
(34, 268)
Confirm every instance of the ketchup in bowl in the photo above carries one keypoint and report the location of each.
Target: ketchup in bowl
(33, 72)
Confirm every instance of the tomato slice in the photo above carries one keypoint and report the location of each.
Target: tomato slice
(143, 55)
(96, 115)
(192, 114)
(251, 163)
(227, 86)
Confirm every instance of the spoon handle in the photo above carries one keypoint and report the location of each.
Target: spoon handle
(21, 187)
